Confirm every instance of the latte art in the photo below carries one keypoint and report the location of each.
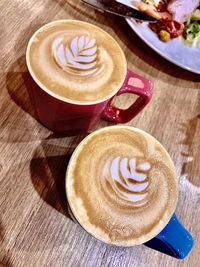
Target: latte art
(128, 181)
(76, 62)
(78, 56)
(121, 185)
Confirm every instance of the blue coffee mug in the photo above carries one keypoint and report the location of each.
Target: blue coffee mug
(173, 240)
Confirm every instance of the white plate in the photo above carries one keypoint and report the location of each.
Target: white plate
(175, 51)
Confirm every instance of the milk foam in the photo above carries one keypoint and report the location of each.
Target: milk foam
(77, 62)
(124, 172)
(79, 56)
(122, 185)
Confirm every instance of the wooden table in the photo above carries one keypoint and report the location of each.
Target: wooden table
(35, 227)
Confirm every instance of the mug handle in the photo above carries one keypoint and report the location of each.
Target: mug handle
(173, 240)
(134, 84)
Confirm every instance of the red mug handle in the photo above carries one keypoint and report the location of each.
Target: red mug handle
(134, 84)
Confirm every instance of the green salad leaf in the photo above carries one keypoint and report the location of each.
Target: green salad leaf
(192, 30)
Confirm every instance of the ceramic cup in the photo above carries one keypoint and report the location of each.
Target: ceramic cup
(122, 188)
(62, 115)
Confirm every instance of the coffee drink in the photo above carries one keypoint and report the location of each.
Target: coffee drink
(122, 185)
(76, 61)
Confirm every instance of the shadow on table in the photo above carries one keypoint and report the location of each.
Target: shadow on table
(4, 259)
(48, 168)
(20, 86)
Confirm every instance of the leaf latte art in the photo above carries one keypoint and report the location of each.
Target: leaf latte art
(76, 61)
(128, 180)
(121, 185)
(78, 56)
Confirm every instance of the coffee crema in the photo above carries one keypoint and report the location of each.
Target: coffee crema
(76, 61)
(122, 185)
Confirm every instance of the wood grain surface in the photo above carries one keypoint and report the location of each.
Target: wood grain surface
(35, 226)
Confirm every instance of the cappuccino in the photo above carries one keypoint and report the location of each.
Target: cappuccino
(76, 61)
(122, 185)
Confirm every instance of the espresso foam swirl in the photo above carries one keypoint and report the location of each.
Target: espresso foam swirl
(78, 56)
(127, 180)
(122, 185)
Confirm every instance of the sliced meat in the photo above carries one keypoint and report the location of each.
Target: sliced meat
(182, 10)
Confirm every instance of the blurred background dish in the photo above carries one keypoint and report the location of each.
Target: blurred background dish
(175, 51)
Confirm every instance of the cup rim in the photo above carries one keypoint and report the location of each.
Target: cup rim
(159, 227)
(44, 88)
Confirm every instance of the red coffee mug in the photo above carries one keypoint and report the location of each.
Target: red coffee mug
(67, 118)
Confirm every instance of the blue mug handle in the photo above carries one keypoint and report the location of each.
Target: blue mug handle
(173, 240)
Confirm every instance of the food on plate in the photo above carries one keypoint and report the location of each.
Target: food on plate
(182, 10)
(175, 18)
(164, 36)
(192, 30)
